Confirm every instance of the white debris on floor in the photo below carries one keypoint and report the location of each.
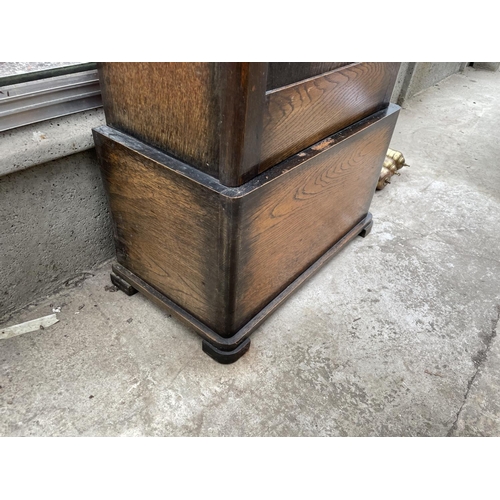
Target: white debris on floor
(28, 326)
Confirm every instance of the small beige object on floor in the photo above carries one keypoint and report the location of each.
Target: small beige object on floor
(28, 326)
(394, 161)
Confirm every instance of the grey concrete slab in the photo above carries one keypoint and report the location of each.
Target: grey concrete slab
(404, 69)
(39, 143)
(54, 226)
(414, 77)
(489, 66)
(392, 338)
(479, 414)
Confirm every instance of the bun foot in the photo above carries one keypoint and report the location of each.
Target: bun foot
(122, 284)
(225, 357)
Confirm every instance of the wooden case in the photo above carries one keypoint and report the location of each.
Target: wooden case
(234, 121)
(221, 257)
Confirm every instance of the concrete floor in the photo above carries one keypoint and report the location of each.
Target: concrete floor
(396, 336)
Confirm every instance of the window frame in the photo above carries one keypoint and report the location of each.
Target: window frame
(29, 98)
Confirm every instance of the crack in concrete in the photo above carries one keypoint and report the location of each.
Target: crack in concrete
(478, 360)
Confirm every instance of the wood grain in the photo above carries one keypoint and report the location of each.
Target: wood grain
(288, 223)
(172, 106)
(223, 253)
(286, 73)
(167, 227)
(219, 118)
(302, 114)
(232, 342)
(242, 98)
(208, 115)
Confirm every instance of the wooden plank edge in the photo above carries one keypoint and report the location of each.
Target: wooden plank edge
(150, 153)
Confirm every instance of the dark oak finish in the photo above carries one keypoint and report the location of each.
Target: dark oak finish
(167, 228)
(285, 73)
(287, 224)
(242, 98)
(367, 230)
(226, 357)
(236, 345)
(302, 114)
(219, 118)
(122, 285)
(230, 184)
(172, 106)
(223, 254)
